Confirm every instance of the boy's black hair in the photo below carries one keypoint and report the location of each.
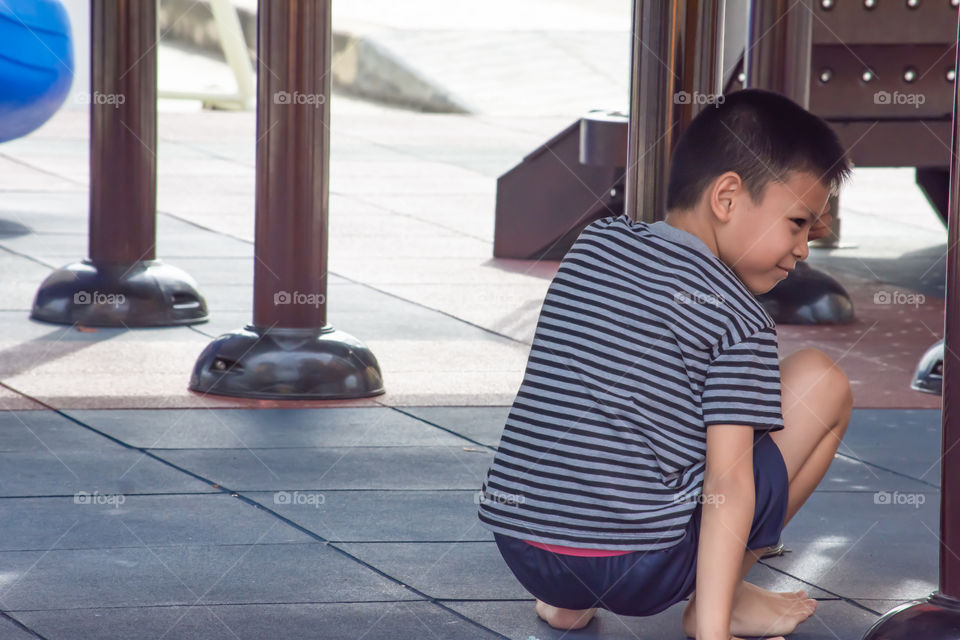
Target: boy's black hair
(762, 136)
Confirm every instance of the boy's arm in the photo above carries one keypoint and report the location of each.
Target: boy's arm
(728, 506)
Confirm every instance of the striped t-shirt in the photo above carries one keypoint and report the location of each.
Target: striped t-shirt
(645, 338)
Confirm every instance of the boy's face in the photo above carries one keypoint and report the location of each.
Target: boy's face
(760, 242)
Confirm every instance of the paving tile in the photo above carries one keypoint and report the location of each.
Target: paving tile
(338, 467)
(111, 470)
(849, 474)
(845, 544)
(370, 621)
(10, 631)
(40, 431)
(190, 574)
(384, 516)
(833, 620)
(482, 424)
(906, 441)
(265, 428)
(102, 522)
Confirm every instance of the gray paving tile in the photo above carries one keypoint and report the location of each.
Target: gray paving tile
(385, 516)
(482, 424)
(833, 620)
(907, 441)
(10, 631)
(892, 556)
(188, 575)
(337, 467)
(132, 521)
(264, 428)
(476, 571)
(850, 474)
(114, 470)
(46, 431)
(370, 621)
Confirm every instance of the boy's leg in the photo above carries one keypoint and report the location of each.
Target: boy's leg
(816, 400)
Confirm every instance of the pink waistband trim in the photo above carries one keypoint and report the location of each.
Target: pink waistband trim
(574, 551)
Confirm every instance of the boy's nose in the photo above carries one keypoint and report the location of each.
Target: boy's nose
(802, 250)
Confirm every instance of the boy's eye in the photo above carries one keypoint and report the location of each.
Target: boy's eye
(800, 221)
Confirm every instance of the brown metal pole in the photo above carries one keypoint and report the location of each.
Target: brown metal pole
(778, 48)
(675, 72)
(123, 131)
(122, 283)
(293, 146)
(950, 461)
(290, 352)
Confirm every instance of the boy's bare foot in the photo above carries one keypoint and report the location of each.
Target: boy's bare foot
(758, 612)
(567, 619)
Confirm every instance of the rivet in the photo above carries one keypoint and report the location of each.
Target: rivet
(825, 74)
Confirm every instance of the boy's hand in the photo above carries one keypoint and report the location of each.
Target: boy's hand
(821, 227)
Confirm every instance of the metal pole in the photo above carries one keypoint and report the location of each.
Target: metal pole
(778, 48)
(290, 352)
(122, 283)
(675, 72)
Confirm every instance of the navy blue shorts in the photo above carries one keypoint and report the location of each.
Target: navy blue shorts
(643, 583)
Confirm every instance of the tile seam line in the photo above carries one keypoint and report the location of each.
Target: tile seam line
(5, 614)
(256, 505)
(217, 604)
(835, 595)
(894, 472)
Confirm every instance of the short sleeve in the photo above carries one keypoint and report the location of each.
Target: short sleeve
(742, 384)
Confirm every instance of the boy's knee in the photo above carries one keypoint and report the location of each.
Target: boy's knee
(817, 368)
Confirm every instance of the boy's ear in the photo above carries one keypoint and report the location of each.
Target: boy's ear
(722, 195)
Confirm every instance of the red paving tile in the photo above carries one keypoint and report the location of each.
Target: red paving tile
(880, 350)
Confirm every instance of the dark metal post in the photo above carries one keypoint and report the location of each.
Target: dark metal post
(778, 51)
(675, 72)
(290, 351)
(937, 617)
(122, 284)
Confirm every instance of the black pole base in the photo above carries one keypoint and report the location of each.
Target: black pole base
(148, 293)
(936, 617)
(928, 376)
(287, 364)
(808, 296)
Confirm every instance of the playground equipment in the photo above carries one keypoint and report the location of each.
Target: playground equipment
(122, 283)
(290, 352)
(36, 64)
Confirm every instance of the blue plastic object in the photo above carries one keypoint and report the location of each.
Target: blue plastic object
(36, 64)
